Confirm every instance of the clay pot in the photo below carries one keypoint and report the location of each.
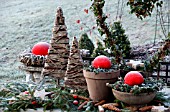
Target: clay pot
(96, 84)
(132, 99)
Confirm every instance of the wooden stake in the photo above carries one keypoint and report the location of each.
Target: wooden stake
(81, 106)
(100, 103)
(146, 108)
(111, 107)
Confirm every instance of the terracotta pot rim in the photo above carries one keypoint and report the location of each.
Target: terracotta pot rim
(131, 99)
(101, 75)
(141, 94)
(104, 72)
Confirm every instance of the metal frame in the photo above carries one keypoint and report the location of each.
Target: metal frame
(166, 16)
(166, 70)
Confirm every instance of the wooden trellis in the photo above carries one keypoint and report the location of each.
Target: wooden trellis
(163, 71)
(166, 16)
(163, 17)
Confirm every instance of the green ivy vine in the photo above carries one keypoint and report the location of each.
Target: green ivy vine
(153, 61)
(111, 40)
(143, 8)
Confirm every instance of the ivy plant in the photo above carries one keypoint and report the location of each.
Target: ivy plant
(153, 61)
(111, 39)
(143, 8)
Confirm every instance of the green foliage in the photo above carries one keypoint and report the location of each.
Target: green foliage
(100, 50)
(97, 70)
(161, 97)
(121, 40)
(153, 61)
(86, 43)
(115, 39)
(13, 98)
(143, 8)
(59, 98)
(13, 88)
(149, 85)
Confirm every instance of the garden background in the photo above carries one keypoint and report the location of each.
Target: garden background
(23, 23)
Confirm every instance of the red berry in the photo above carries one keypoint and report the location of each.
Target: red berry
(40, 48)
(75, 102)
(90, 32)
(26, 92)
(86, 11)
(133, 78)
(101, 62)
(34, 102)
(75, 96)
(78, 21)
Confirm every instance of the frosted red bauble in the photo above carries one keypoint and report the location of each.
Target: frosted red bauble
(101, 62)
(41, 48)
(133, 78)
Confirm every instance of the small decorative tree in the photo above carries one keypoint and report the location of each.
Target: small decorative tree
(100, 50)
(86, 43)
(74, 75)
(58, 53)
(118, 33)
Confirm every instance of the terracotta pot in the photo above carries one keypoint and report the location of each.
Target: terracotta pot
(132, 99)
(96, 84)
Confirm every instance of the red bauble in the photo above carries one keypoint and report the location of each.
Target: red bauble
(41, 48)
(75, 102)
(133, 78)
(101, 62)
(26, 92)
(78, 21)
(75, 96)
(86, 11)
(34, 102)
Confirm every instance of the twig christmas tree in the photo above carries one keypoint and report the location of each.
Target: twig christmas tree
(57, 58)
(74, 75)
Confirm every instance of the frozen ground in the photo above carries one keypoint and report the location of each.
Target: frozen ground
(26, 22)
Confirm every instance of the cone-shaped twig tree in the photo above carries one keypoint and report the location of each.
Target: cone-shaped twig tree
(74, 75)
(57, 58)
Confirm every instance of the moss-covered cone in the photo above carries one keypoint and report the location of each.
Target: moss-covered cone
(86, 43)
